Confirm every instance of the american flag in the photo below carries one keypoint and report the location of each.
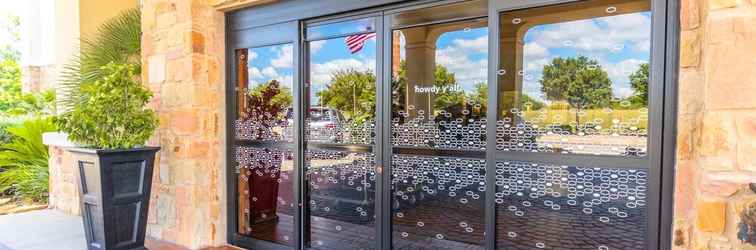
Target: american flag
(356, 42)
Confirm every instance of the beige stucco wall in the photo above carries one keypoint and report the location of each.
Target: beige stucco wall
(95, 12)
(51, 32)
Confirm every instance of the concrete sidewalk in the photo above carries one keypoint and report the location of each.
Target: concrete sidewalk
(41, 230)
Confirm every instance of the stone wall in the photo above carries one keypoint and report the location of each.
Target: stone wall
(183, 58)
(716, 153)
(64, 192)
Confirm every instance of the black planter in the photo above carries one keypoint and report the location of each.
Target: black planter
(114, 190)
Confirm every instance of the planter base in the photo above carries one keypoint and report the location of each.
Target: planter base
(114, 188)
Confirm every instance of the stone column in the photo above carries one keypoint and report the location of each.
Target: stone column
(510, 66)
(716, 126)
(183, 55)
(39, 39)
(420, 51)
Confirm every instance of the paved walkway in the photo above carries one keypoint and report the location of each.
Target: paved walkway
(41, 230)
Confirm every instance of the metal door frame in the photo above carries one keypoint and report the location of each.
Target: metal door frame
(660, 158)
(262, 26)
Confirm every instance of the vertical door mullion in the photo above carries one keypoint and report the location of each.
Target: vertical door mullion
(384, 125)
(299, 178)
(669, 131)
(655, 118)
(491, 117)
(380, 138)
(232, 205)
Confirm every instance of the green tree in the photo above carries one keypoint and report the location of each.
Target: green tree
(11, 26)
(579, 81)
(451, 101)
(639, 83)
(10, 70)
(274, 97)
(479, 97)
(352, 92)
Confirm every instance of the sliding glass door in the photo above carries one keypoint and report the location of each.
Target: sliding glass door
(481, 124)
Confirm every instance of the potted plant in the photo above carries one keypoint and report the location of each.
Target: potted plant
(110, 122)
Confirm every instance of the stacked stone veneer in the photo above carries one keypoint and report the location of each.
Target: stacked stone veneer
(716, 126)
(64, 192)
(183, 57)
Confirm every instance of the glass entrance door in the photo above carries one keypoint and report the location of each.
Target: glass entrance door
(263, 145)
(573, 122)
(340, 160)
(438, 129)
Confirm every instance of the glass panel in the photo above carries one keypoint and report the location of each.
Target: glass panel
(342, 199)
(341, 28)
(547, 206)
(439, 89)
(264, 94)
(574, 79)
(437, 202)
(340, 131)
(438, 122)
(263, 140)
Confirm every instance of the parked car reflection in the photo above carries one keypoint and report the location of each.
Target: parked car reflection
(325, 125)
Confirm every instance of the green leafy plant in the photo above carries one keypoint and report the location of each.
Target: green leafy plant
(118, 40)
(5, 123)
(31, 104)
(111, 113)
(24, 160)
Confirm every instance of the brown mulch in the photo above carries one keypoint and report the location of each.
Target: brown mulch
(8, 206)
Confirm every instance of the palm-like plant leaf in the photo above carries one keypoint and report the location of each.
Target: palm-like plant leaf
(117, 40)
(25, 159)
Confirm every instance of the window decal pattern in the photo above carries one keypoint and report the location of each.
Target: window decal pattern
(578, 83)
(544, 206)
(438, 128)
(342, 204)
(339, 129)
(266, 213)
(361, 132)
(437, 202)
(440, 132)
(264, 174)
(271, 130)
